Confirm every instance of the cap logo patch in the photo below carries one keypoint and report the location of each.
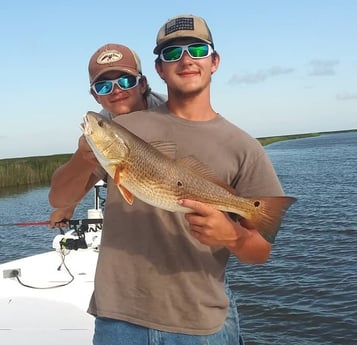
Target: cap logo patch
(179, 24)
(109, 56)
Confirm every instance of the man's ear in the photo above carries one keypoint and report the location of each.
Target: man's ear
(94, 95)
(215, 62)
(158, 67)
(143, 84)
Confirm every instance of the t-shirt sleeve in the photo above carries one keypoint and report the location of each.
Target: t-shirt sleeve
(257, 177)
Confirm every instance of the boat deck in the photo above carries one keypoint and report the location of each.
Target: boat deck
(46, 313)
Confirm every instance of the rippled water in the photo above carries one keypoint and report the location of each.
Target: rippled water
(307, 292)
(28, 205)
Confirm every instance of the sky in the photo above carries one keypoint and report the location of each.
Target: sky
(287, 67)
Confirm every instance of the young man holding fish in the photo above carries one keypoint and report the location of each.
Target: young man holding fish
(116, 91)
(160, 274)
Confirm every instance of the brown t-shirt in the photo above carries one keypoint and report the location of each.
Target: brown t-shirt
(151, 271)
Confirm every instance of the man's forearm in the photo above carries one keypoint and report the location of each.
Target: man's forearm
(249, 247)
(71, 181)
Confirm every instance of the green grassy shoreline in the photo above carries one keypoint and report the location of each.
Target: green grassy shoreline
(28, 171)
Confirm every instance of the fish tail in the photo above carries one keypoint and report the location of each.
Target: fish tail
(269, 214)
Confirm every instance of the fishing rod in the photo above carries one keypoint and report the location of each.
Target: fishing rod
(72, 222)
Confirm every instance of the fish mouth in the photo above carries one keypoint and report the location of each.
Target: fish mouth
(86, 128)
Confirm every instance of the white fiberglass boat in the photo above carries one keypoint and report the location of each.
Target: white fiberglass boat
(44, 298)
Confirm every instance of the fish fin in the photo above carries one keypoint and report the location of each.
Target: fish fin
(165, 147)
(116, 179)
(268, 216)
(204, 171)
(197, 167)
(128, 196)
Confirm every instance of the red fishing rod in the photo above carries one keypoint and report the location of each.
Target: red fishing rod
(26, 223)
(70, 222)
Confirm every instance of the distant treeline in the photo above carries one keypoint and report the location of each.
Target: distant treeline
(269, 140)
(38, 170)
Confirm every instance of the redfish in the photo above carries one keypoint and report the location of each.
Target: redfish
(148, 172)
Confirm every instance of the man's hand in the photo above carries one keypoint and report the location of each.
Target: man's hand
(214, 228)
(209, 225)
(85, 150)
(59, 217)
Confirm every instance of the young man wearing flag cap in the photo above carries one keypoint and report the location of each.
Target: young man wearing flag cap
(160, 277)
(172, 290)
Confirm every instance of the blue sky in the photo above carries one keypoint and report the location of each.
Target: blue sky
(286, 66)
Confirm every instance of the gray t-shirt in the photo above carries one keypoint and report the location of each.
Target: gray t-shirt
(151, 271)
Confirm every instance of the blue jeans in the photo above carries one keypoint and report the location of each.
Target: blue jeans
(231, 323)
(116, 332)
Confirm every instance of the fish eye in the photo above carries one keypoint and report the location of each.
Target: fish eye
(100, 123)
(256, 203)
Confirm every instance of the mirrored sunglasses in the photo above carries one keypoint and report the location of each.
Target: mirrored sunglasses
(194, 50)
(125, 82)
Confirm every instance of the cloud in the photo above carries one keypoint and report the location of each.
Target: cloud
(322, 67)
(259, 76)
(346, 96)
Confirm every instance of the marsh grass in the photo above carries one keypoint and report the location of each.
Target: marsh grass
(29, 170)
(269, 140)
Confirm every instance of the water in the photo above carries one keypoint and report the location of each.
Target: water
(307, 292)
(29, 205)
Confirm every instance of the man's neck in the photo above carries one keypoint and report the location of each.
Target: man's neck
(191, 108)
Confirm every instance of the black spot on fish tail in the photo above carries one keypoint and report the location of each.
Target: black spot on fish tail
(268, 216)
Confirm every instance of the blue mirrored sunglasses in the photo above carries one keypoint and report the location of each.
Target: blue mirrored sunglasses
(194, 50)
(125, 82)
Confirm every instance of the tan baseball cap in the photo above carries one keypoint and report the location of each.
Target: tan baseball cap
(183, 26)
(113, 57)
